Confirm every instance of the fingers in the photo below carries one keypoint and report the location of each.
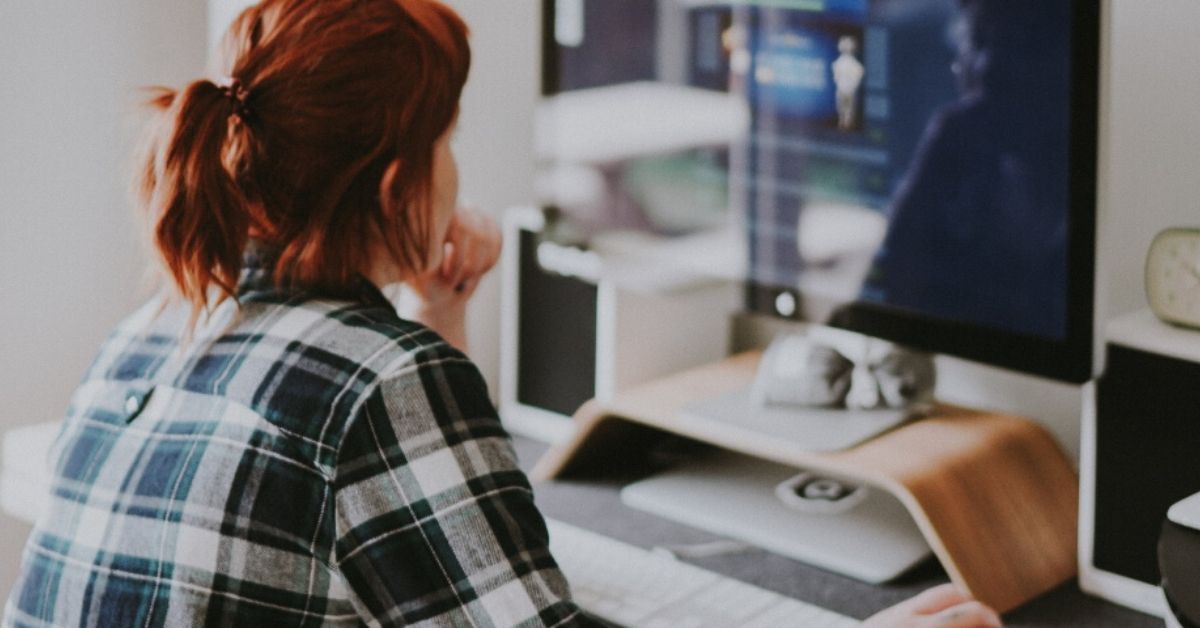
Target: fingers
(458, 265)
(940, 607)
(935, 600)
(451, 260)
(970, 614)
(473, 247)
(466, 287)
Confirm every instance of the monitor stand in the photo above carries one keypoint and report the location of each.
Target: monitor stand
(993, 495)
(839, 525)
(802, 376)
(865, 533)
(808, 429)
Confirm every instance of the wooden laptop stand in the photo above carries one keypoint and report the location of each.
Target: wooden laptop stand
(994, 495)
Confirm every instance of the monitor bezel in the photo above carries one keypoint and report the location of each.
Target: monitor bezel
(1070, 359)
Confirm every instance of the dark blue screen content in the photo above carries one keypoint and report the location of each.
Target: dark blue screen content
(911, 154)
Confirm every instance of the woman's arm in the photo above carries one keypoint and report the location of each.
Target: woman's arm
(435, 521)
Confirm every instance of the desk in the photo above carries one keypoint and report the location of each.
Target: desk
(594, 504)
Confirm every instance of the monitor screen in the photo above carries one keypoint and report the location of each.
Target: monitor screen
(918, 170)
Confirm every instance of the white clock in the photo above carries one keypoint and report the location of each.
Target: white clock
(1173, 276)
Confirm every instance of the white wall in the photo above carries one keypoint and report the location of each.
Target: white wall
(70, 265)
(1152, 136)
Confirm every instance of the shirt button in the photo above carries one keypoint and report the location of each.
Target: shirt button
(136, 401)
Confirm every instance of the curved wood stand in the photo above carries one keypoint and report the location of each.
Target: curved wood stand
(994, 495)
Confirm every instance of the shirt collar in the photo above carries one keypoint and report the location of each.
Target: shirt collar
(258, 276)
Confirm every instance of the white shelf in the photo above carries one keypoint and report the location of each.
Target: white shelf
(1144, 331)
(610, 124)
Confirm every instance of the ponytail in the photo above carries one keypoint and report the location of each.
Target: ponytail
(322, 152)
(200, 218)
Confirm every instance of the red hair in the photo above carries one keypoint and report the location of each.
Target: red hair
(322, 144)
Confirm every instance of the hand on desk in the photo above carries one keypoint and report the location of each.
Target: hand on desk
(940, 607)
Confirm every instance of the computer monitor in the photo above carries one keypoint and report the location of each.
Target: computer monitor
(922, 171)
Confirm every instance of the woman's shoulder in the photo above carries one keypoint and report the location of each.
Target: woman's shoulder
(351, 362)
(367, 341)
(301, 362)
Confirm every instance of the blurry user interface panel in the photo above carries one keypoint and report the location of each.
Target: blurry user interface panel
(909, 155)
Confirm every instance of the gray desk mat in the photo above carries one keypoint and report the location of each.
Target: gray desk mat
(594, 504)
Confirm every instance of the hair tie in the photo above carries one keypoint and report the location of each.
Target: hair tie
(237, 93)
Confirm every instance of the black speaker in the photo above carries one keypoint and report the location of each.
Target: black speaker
(556, 334)
(579, 325)
(1141, 455)
(1179, 561)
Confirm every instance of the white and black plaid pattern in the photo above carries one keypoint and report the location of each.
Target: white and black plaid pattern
(301, 461)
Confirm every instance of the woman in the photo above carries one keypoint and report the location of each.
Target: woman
(268, 442)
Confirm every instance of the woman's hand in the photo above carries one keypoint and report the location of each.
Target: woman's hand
(472, 249)
(939, 607)
(438, 298)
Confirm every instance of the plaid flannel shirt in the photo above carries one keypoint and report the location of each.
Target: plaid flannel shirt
(302, 461)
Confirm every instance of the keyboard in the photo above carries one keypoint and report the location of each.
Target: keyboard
(630, 586)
